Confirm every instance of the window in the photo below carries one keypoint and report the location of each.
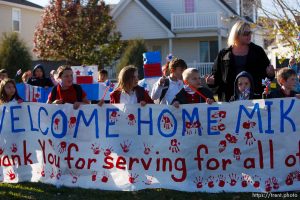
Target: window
(16, 19)
(189, 6)
(208, 51)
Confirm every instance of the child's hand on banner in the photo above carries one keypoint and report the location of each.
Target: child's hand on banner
(101, 102)
(176, 104)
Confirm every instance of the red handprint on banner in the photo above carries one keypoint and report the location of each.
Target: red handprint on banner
(43, 174)
(58, 175)
(256, 181)
(147, 149)
(188, 127)
(74, 177)
(222, 146)
(275, 183)
(219, 114)
(62, 147)
(220, 127)
(174, 146)
(131, 119)
(108, 151)
(249, 138)
(114, 116)
(221, 180)
(133, 178)
(72, 122)
(237, 153)
(95, 148)
(289, 179)
(268, 186)
(198, 182)
(167, 122)
(56, 123)
(230, 138)
(11, 175)
(210, 182)
(104, 178)
(125, 146)
(94, 176)
(248, 124)
(233, 179)
(14, 148)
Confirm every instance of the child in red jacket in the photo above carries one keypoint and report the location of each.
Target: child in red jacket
(66, 91)
(128, 90)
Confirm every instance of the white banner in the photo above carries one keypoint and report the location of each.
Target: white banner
(246, 146)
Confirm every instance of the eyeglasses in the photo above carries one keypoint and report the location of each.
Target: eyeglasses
(246, 33)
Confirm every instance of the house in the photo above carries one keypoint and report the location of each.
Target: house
(20, 16)
(195, 30)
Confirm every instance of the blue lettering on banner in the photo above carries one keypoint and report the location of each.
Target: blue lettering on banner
(64, 124)
(194, 117)
(167, 122)
(30, 119)
(140, 122)
(2, 118)
(13, 119)
(210, 121)
(87, 123)
(250, 116)
(284, 115)
(45, 132)
(110, 122)
(269, 130)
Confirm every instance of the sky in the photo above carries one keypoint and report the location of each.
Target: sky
(45, 2)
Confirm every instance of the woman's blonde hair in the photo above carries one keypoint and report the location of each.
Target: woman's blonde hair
(3, 96)
(239, 28)
(126, 77)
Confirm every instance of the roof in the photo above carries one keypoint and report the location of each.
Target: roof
(228, 7)
(25, 3)
(156, 13)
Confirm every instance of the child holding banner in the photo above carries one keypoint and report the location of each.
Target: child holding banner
(193, 91)
(243, 87)
(66, 91)
(166, 88)
(8, 91)
(39, 77)
(286, 78)
(128, 90)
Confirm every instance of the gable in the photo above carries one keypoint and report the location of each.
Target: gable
(137, 22)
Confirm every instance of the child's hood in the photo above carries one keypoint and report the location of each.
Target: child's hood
(244, 74)
(39, 66)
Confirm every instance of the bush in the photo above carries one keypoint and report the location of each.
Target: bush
(14, 54)
(133, 55)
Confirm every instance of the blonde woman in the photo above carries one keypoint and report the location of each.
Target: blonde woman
(240, 55)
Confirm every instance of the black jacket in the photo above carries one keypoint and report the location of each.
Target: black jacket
(225, 73)
(236, 93)
(280, 94)
(181, 96)
(41, 82)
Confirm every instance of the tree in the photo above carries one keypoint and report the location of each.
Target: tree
(281, 22)
(78, 31)
(133, 55)
(14, 54)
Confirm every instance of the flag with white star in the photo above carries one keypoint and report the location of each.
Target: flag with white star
(85, 74)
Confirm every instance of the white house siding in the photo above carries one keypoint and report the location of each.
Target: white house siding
(167, 7)
(135, 22)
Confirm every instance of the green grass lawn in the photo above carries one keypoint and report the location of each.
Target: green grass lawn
(45, 191)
